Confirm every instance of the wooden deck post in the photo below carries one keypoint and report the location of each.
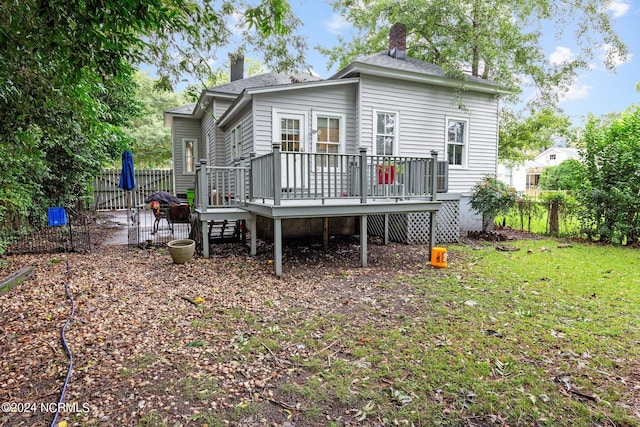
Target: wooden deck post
(386, 229)
(363, 175)
(363, 241)
(434, 196)
(252, 156)
(277, 174)
(277, 246)
(203, 185)
(252, 234)
(205, 239)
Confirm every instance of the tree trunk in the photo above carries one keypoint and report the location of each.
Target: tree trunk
(554, 223)
(487, 224)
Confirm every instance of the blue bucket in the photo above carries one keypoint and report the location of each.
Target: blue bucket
(57, 216)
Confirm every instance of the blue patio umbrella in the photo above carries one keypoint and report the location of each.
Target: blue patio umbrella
(128, 180)
(127, 177)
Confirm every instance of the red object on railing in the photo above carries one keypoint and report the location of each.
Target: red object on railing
(386, 174)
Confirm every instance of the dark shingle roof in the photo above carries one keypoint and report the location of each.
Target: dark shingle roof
(183, 109)
(412, 65)
(263, 80)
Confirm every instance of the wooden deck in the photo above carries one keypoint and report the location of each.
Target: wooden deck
(361, 189)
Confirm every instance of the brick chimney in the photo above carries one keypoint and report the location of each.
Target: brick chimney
(237, 67)
(398, 41)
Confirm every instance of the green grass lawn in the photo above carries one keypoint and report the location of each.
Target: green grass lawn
(539, 336)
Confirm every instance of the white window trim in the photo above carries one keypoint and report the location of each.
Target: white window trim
(277, 114)
(343, 130)
(236, 146)
(184, 155)
(465, 146)
(396, 132)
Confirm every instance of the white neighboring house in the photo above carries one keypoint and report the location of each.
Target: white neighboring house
(526, 178)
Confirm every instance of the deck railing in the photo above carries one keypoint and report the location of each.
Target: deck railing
(279, 176)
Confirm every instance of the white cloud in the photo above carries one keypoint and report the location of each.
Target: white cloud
(576, 91)
(337, 24)
(562, 55)
(618, 8)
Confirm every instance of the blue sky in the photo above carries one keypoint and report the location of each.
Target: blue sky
(597, 91)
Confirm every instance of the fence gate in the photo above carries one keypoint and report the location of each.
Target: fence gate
(107, 194)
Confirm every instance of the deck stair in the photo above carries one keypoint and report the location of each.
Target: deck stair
(226, 230)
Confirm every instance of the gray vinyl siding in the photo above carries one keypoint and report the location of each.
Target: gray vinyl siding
(184, 128)
(338, 99)
(422, 111)
(246, 121)
(221, 105)
(209, 135)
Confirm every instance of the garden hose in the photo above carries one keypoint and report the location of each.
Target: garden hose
(66, 347)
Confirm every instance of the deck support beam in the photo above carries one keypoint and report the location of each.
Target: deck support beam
(386, 229)
(325, 233)
(363, 241)
(252, 235)
(277, 246)
(205, 239)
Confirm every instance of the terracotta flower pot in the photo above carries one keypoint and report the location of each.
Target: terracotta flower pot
(181, 250)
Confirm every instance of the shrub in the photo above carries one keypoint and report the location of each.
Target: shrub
(490, 198)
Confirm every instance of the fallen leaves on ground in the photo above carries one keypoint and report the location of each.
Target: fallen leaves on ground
(154, 342)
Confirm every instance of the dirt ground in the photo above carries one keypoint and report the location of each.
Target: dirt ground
(146, 334)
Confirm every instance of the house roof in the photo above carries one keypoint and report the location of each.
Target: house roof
(262, 80)
(183, 109)
(382, 64)
(231, 90)
(247, 95)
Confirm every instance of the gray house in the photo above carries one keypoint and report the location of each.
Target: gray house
(382, 147)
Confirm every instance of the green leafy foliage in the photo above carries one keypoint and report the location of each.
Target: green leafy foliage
(67, 89)
(490, 198)
(498, 40)
(150, 139)
(611, 191)
(568, 175)
(519, 136)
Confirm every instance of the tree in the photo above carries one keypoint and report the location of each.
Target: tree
(611, 191)
(150, 139)
(567, 176)
(521, 137)
(494, 39)
(66, 80)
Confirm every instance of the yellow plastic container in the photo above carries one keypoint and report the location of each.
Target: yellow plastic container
(439, 257)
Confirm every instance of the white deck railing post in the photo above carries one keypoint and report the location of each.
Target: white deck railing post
(252, 157)
(203, 185)
(277, 174)
(363, 175)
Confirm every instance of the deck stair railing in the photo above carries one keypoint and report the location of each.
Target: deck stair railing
(279, 176)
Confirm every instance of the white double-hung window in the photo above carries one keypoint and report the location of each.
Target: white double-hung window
(236, 142)
(328, 137)
(386, 133)
(457, 137)
(189, 155)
